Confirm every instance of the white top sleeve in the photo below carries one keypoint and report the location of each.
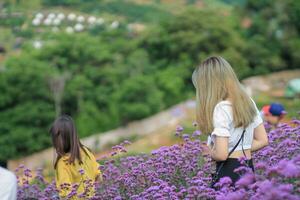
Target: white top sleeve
(209, 141)
(221, 121)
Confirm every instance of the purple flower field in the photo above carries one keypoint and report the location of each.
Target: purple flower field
(183, 171)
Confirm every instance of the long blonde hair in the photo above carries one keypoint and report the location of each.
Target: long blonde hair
(215, 81)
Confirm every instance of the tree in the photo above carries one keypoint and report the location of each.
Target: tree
(26, 107)
(138, 97)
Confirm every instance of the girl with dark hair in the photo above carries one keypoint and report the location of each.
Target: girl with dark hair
(75, 166)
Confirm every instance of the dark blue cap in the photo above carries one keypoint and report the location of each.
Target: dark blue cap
(277, 109)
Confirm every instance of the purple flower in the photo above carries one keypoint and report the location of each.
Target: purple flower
(179, 129)
(245, 180)
(81, 171)
(196, 133)
(288, 169)
(224, 182)
(236, 195)
(181, 171)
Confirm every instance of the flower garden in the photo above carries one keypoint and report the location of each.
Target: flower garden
(110, 63)
(183, 171)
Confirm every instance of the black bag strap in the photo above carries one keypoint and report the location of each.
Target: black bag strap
(243, 146)
(214, 178)
(232, 150)
(241, 138)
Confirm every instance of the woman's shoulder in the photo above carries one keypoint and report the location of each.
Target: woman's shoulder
(63, 161)
(223, 109)
(86, 152)
(224, 105)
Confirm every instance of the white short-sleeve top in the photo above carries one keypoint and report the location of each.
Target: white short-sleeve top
(224, 127)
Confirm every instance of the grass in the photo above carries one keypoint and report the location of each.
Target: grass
(163, 137)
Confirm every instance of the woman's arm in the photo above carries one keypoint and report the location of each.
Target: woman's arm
(96, 168)
(219, 151)
(260, 138)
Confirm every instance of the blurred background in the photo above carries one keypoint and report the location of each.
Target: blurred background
(122, 68)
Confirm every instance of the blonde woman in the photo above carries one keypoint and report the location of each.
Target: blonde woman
(228, 116)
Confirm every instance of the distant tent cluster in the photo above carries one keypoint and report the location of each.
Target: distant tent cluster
(72, 22)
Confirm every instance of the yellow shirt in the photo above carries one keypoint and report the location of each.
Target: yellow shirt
(69, 174)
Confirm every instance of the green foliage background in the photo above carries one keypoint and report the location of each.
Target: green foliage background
(112, 77)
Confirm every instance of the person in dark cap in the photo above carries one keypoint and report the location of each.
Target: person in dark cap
(273, 113)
